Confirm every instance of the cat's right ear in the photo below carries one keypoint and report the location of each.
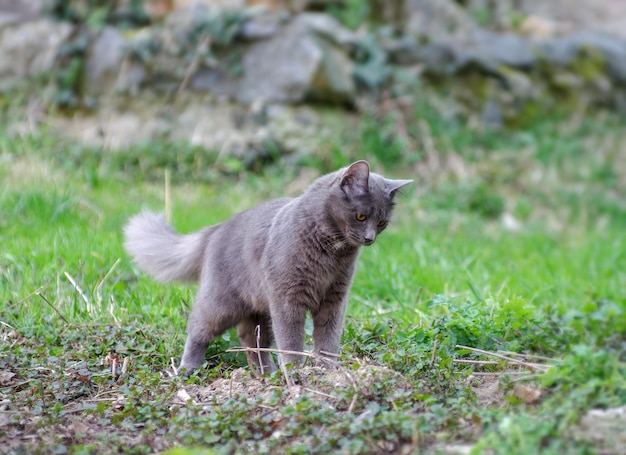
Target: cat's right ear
(394, 185)
(355, 179)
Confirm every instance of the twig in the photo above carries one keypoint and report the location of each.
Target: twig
(168, 196)
(428, 143)
(278, 351)
(125, 365)
(288, 379)
(18, 302)
(525, 378)
(498, 373)
(476, 362)
(90, 325)
(44, 369)
(257, 332)
(419, 295)
(100, 400)
(432, 357)
(101, 283)
(100, 394)
(202, 48)
(174, 366)
(330, 354)
(529, 356)
(7, 325)
(79, 290)
(114, 362)
(530, 366)
(52, 306)
(319, 393)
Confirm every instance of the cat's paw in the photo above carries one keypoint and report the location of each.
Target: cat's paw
(329, 363)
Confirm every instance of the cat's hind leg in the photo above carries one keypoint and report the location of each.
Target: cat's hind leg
(256, 331)
(210, 317)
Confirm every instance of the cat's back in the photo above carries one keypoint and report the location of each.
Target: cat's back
(245, 234)
(259, 216)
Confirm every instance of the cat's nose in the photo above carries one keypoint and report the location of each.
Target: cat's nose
(369, 236)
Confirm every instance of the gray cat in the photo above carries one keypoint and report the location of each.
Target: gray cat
(267, 266)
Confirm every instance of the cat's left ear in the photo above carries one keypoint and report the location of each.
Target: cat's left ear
(355, 179)
(394, 185)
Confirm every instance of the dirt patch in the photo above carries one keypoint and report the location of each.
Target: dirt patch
(488, 391)
(338, 388)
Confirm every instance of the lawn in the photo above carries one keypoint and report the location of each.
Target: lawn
(491, 314)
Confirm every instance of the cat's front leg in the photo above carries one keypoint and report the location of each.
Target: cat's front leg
(328, 324)
(288, 316)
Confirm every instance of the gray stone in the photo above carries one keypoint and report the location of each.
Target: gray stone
(327, 27)
(492, 113)
(301, 61)
(29, 49)
(604, 428)
(613, 50)
(404, 51)
(215, 81)
(439, 58)
(261, 26)
(104, 59)
(559, 51)
(518, 83)
(333, 80)
(437, 18)
(565, 50)
(131, 77)
(184, 18)
(19, 11)
(489, 50)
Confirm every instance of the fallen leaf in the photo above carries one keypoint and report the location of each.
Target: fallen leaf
(183, 396)
(528, 395)
(6, 376)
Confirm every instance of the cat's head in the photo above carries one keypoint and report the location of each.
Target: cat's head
(364, 204)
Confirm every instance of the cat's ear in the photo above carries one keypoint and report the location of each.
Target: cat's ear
(355, 179)
(394, 185)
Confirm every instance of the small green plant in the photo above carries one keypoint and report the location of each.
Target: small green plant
(97, 13)
(371, 70)
(351, 13)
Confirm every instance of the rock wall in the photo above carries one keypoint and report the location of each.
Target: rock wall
(277, 55)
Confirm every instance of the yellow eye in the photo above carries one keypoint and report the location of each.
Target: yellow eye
(361, 217)
(381, 223)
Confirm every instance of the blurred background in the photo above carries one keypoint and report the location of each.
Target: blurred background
(496, 107)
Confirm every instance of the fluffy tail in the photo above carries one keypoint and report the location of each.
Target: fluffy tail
(160, 251)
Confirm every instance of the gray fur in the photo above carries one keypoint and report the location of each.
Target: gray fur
(160, 251)
(268, 266)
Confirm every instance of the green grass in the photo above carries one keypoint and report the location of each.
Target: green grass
(446, 273)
